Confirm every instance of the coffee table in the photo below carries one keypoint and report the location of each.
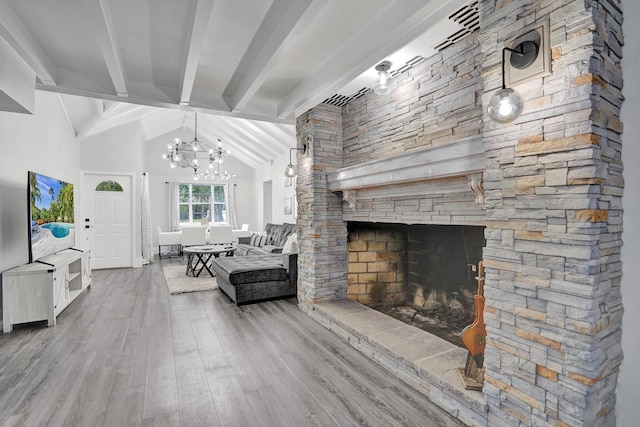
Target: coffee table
(199, 257)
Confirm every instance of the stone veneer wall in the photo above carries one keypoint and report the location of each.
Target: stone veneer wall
(322, 259)
(553, 185)
(435, 103)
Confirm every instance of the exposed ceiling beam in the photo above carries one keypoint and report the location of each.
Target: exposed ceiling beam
(261, 135)
(102, 23)
(97, 104)
(97, 118)
(283, 24)
(197, 32)
(93, 90)
(284, 138)
(65, 111)
(235, 143)
(235, 138)
(252, 141)
(20, 39)
(110, 115)
(161, 123)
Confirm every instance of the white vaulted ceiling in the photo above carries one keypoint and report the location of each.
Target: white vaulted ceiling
(248, 66)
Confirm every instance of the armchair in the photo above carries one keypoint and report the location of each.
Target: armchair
(220, 235)
(192, 236)
(168, 238)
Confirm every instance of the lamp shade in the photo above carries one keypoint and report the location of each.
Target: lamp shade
(290, 171)
(505, 105)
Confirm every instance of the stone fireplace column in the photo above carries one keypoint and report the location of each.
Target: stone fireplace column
(553, 186)
(322, 260)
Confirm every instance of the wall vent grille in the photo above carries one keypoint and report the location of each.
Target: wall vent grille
(342, 100)
(469, 17)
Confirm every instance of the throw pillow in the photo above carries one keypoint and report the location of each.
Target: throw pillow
(291, 245)
(254, 237)
(260, 240)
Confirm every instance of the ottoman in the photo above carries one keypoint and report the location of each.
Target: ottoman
(255, 278)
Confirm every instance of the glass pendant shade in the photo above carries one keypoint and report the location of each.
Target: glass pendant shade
(290, 172)
(382, 82)
(505, 105)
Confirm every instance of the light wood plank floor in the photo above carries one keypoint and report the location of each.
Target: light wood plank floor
(126, 353)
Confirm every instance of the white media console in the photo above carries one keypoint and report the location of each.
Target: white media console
(41, 290)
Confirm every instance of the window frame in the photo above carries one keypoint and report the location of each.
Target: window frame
(211, 204)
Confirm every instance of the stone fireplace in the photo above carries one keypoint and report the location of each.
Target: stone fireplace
(546, 188)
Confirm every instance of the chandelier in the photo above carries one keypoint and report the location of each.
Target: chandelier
(216, 174)
(195, 154)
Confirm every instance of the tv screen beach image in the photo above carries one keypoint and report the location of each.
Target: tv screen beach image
(51, 215)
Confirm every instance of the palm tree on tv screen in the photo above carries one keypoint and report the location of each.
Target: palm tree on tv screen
(35, 191)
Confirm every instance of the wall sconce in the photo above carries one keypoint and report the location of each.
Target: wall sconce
(382, 82)
(529, 58)
(290, 171)
(506, 104)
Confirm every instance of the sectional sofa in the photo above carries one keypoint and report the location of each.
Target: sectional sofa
(260, 271)
(271, 241)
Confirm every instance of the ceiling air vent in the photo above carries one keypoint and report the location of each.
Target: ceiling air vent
(467, 16)
(342, 100)
(409, 64)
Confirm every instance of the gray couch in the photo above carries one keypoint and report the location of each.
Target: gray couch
(278, 236)
(257, 272)
(258, 277)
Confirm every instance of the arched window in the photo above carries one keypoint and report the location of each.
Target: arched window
(109, 186)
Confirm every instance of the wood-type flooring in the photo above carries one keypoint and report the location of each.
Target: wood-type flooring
(126, 353)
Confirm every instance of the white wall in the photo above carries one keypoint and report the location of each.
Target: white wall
(44, 143)
(627, 406)
(119, 150)
(275, 173)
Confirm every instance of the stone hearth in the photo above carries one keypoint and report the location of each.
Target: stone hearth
(426, 362)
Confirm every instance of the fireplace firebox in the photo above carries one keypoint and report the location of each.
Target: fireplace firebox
(424, 275)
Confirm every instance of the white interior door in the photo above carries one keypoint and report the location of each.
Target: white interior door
(108, 219)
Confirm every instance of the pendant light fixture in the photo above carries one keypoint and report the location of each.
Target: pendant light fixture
(382, 82)
(195, 153)
(291, 171)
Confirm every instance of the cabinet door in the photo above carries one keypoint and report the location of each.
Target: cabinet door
(27, 298)
(60, 289)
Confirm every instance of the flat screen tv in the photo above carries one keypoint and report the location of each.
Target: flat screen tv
(51, 222)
